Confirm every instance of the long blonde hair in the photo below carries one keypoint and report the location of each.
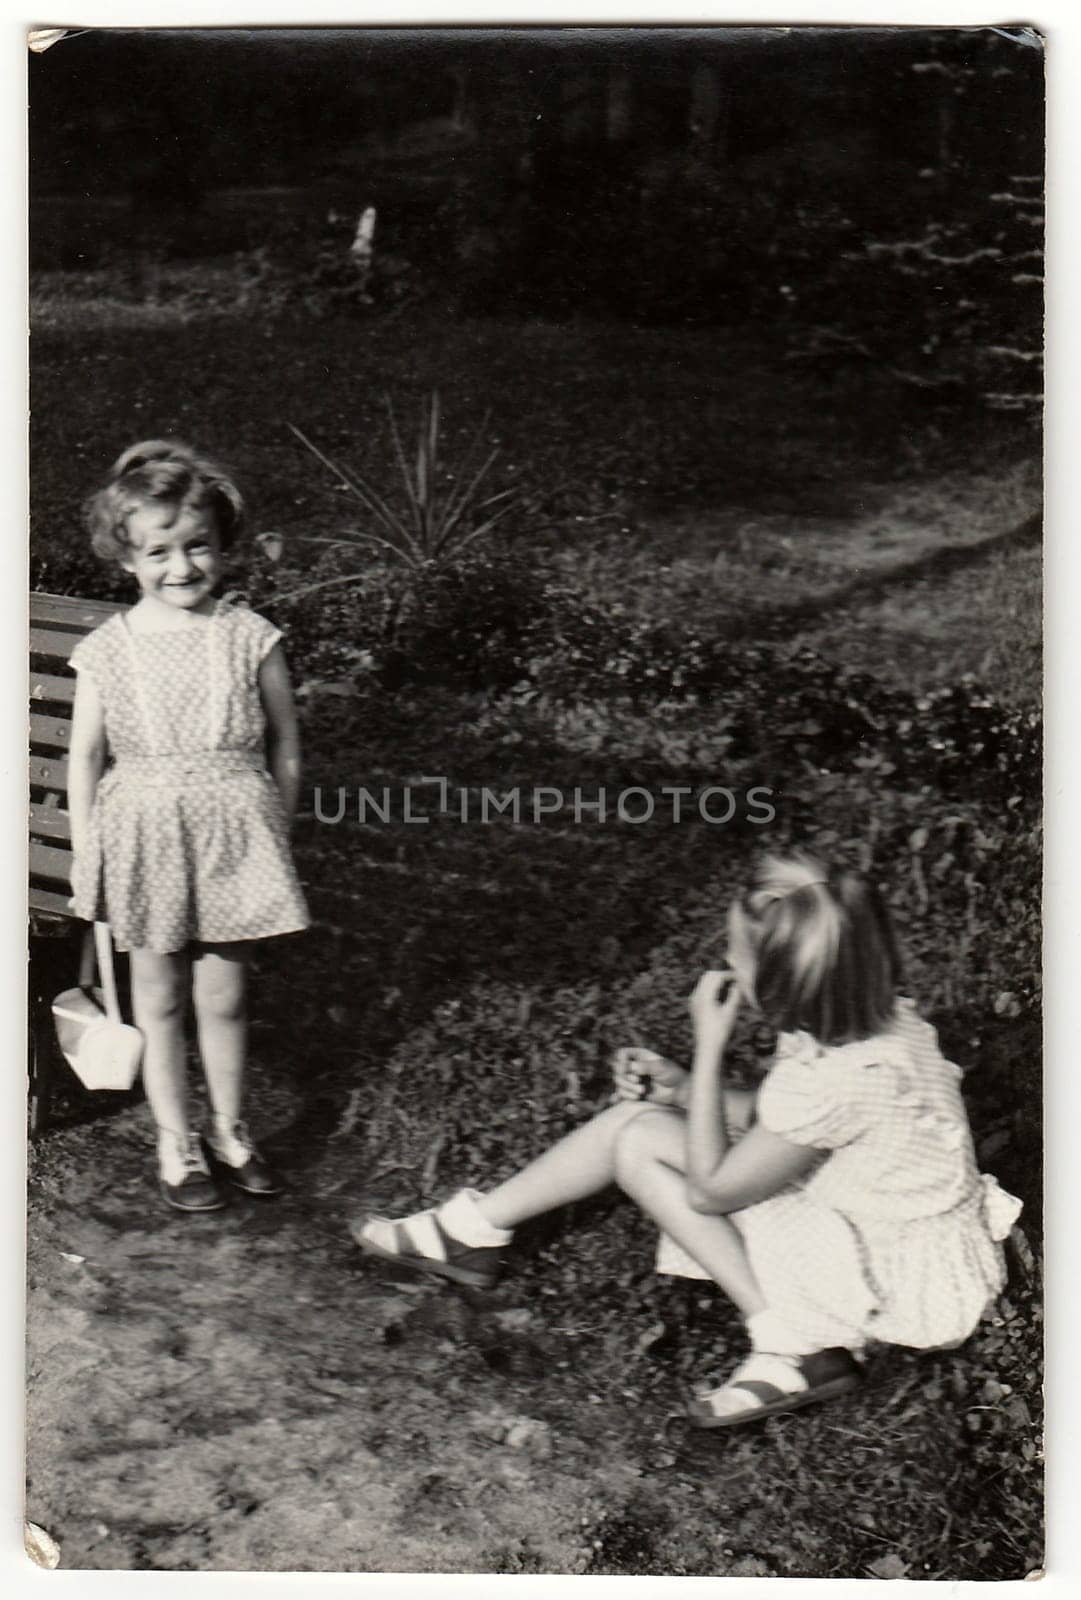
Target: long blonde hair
(825, 954)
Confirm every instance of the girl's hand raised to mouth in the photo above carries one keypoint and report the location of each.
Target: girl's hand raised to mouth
(714, 1003)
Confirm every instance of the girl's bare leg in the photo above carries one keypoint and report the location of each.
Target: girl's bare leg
(650, 1156)
(580, 1164)
(159, 989)
(640, 1147)
(585, 1161)
(221, 1017)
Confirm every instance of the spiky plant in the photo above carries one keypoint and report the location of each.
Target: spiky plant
(438, 520)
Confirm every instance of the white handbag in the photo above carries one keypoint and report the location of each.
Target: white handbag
(103, 1051)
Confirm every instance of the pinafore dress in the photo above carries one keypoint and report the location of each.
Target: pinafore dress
(895, 1235)
(187, 839)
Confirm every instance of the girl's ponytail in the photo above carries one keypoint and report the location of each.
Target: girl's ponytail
(825, 954)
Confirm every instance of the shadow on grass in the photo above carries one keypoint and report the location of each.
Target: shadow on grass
(780, 620)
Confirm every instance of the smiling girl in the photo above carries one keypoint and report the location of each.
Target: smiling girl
(183, 777)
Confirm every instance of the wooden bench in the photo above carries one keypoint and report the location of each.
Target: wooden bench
(57, 623)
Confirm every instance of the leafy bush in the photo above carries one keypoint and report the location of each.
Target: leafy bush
(62, 562)
(819, 711)
(496, 621)
(470, 623)
(467, 625)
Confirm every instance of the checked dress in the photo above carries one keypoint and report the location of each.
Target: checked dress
(187, 838)
(894, 1235)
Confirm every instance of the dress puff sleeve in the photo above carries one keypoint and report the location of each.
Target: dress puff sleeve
(90, 656)
(260, 636)
(803, 1098)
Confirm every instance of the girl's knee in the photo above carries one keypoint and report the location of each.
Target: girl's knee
(617, 1116)
(158, 998)
(221, 995)
(647, 1137)
(617, 1119)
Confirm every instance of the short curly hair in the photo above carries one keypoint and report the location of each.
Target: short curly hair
(164, 472)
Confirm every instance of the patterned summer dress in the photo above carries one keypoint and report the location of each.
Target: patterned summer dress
(895, 1235)
(187, 838)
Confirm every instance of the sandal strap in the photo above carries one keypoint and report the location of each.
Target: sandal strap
(768, 1377)
(420, 1235)
(423, 1234)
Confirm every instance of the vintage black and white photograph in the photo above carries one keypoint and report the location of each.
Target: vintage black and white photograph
(535, 801)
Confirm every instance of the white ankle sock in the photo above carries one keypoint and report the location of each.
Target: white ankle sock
(174, 1154)
(228, 1140)
(770, 1332)
(462, 1219)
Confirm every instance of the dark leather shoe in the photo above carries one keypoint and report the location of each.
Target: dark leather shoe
(196, 1190)
(256, 1176)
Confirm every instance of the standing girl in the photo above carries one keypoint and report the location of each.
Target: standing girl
(839, 1205)
(181, 843)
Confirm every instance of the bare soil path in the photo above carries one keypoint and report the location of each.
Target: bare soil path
(236, 1392)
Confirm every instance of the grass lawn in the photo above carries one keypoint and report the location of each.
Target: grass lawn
(459, 1001)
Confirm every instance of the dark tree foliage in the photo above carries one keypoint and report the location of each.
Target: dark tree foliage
(875, 190)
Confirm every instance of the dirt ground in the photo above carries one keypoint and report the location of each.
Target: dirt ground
(244, 1392)
(237, 1391)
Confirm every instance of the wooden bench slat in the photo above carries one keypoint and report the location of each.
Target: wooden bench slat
(52, 733)
(49, 772)
(51, 642)
(57, 624)
(50, 822)
(48, 862)
(71, 611)
(46, 686)
(48, 900)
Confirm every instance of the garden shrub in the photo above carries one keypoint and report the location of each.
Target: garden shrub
(822, 712)
(495, 621)
(62, 562)
(466, 624)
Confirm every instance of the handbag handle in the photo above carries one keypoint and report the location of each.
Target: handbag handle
(103, 944)
(88, 963)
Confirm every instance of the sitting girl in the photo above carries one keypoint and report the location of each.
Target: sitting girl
(181, 844)
(838, 1205)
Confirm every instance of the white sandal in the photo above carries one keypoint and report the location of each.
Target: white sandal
(423, 1243)
(765, 1384)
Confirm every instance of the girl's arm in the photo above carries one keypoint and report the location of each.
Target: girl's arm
(283, 735)
(760, 1165)
(723, 1177)
(86, 759)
